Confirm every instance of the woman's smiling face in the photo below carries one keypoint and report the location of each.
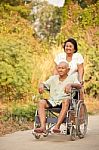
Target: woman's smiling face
(69, 48)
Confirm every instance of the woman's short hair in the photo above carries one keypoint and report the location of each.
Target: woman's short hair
(73, 41)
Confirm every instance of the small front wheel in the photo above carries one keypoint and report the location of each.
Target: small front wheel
(36, 135)
(45, 134)
(72, 133)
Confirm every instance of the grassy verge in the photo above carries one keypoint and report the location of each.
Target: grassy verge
(92, 105)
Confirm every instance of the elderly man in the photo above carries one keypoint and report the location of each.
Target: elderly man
(60, 88)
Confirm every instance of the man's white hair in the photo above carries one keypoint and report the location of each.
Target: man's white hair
(63, 61)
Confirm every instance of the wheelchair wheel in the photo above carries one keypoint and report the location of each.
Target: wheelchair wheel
(72, 133)
(68, 130)
(82, 119)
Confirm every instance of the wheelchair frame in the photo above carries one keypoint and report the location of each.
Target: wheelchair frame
(76, 119)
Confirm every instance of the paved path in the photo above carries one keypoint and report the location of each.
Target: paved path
(24, 140)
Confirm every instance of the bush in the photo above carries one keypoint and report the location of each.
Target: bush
(7, 9)
(89, 16)
(12, 2)
(15, 68)
(18, 113)
(91, 74)
(23, 113)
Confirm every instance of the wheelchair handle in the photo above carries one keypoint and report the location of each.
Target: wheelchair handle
(46, 88)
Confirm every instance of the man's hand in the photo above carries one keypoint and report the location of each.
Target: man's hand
(41, 88)
(68, 88)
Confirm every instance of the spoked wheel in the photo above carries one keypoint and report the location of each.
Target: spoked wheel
(70, 120)
(68, 130)
(82, 119)
(72, 133)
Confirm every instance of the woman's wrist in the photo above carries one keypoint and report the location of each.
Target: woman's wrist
(81, 82)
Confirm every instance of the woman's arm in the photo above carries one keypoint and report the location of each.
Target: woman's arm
(80, 72)
(80, 75)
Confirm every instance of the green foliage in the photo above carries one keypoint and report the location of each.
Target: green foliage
(89, 16)
(7, 10)
(23, 11)
(82, 3)
(20, 114)
(67, 2)
(46, 20)
(92, 73)
(23, 113)
(16, 66)
(12, 2)
(64, 14)
(85, 3)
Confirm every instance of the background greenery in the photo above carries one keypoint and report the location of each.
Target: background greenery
(32, 33)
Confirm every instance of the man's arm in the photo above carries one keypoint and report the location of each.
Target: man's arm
(69, 87)
(45, 85)
(76, 85)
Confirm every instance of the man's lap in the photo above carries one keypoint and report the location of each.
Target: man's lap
(51, 106)
(59, 105)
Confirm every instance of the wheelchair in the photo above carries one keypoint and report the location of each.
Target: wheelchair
(75, 122)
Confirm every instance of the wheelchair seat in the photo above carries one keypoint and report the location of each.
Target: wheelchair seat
(54, 109)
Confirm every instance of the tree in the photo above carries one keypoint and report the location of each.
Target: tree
(11, 2)
(46, 20)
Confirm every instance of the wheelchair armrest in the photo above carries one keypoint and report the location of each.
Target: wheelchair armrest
(75, 90)
(46, 88)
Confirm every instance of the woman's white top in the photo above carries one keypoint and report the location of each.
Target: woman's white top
(77, 59)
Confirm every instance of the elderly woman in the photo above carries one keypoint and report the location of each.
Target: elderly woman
(73, 58)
